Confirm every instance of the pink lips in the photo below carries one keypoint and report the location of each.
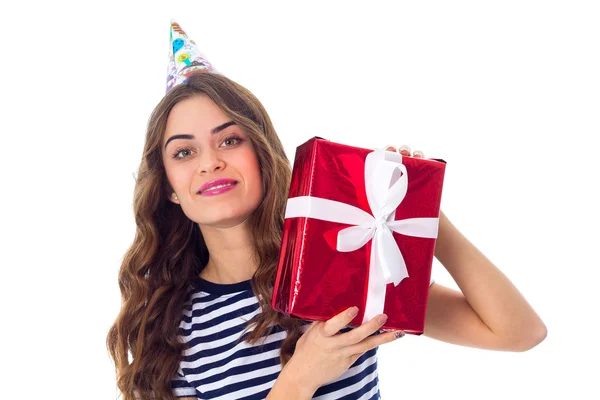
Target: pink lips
(204, 190)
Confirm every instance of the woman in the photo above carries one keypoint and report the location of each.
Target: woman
(197, 282)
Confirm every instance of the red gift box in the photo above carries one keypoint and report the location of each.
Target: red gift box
(341, 245)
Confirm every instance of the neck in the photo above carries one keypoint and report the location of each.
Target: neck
(231, 254)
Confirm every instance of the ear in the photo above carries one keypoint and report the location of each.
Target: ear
(170, 194)
(173, 198)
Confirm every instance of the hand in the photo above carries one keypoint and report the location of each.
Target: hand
(323, 354)
(405, 151)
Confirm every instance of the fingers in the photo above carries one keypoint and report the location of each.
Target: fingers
(333, 325)
(406, 151)
(356, 350)
(359, 333)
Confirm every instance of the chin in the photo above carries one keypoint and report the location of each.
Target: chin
(223, 217)
(225, 221)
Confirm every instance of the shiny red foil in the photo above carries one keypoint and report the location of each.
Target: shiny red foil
(314, 280)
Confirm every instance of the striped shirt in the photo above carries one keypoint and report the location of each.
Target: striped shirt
(219, 364)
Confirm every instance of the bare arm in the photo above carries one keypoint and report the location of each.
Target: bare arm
(287, 388)
(490, 313)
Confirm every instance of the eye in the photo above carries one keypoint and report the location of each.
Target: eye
(183, 152)
(232, 138)
(178, 152)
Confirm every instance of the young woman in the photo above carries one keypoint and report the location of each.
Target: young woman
(197, 282)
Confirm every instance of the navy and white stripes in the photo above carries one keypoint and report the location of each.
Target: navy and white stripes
(219, 364)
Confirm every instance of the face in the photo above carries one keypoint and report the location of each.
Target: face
(201, 144)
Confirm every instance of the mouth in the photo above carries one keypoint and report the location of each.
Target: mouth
(219, 188)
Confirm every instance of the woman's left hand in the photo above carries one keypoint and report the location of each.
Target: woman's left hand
(405, 151)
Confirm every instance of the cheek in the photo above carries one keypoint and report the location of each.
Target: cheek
(251, 172)
(176, 176)
(169, 173)
(246, 162)
(255, 168)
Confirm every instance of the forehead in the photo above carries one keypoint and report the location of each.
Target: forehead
(198, 114)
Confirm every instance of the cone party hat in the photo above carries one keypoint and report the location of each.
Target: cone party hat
(184, 57)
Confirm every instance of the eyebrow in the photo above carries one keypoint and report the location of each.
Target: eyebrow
(214, 131)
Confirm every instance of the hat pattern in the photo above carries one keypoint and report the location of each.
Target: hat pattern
(184, 57)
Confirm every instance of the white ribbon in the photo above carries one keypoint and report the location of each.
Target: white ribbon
(386, 265)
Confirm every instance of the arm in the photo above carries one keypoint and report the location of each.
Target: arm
(490, 313)
(288, 388)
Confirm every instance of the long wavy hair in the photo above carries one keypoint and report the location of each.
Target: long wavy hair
(169, 252)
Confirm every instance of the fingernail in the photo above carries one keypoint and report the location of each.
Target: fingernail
(382, 319)
(399, 334)
(353, 312)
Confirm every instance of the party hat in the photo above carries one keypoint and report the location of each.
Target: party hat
(184, 57)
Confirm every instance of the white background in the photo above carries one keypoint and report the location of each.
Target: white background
(508, 93)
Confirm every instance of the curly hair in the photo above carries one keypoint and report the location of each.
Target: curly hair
(168, 251)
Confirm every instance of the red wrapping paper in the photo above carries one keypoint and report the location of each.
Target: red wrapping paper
(315, 281)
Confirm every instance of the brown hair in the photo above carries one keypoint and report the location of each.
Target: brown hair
(168, 251)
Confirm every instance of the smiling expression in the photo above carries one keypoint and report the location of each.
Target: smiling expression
(202, 144)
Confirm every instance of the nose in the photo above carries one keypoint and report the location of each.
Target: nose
(209, 162)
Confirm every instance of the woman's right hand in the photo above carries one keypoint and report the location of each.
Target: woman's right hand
(323, 354)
